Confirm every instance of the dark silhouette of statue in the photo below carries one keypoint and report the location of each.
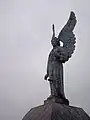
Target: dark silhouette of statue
(59, 55)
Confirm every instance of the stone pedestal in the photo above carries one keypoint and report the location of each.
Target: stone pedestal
(56, 111)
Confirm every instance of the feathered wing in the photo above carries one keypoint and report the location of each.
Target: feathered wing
(67, 37)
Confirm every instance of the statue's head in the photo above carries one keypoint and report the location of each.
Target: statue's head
(55, 42)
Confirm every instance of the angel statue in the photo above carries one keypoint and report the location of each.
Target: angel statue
(59, 55)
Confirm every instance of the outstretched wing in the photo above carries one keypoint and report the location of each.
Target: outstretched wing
(67, 37)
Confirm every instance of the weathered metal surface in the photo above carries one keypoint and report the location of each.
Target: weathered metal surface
(59, 55)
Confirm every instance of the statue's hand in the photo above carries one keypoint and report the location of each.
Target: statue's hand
(46, 76)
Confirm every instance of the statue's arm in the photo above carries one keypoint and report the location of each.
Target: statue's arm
(47, 74)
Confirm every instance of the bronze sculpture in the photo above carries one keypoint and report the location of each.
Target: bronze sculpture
(59, 55)
(56, 107)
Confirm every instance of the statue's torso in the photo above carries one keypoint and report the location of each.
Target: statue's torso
(55, 66)
(56, 55)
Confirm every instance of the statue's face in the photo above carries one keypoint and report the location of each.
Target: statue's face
(54, 42)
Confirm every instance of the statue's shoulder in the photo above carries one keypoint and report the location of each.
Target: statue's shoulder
(52, 50)
(59, 49)
(51, 54)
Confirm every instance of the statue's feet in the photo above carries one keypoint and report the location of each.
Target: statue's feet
(57, 100)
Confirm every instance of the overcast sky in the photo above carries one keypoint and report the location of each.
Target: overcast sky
(25, 34)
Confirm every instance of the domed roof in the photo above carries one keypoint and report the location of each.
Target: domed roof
(56, 111)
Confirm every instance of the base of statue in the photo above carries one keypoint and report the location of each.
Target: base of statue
(57, 100)
(56, 111)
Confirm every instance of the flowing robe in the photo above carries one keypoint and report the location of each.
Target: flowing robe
(55, 71)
